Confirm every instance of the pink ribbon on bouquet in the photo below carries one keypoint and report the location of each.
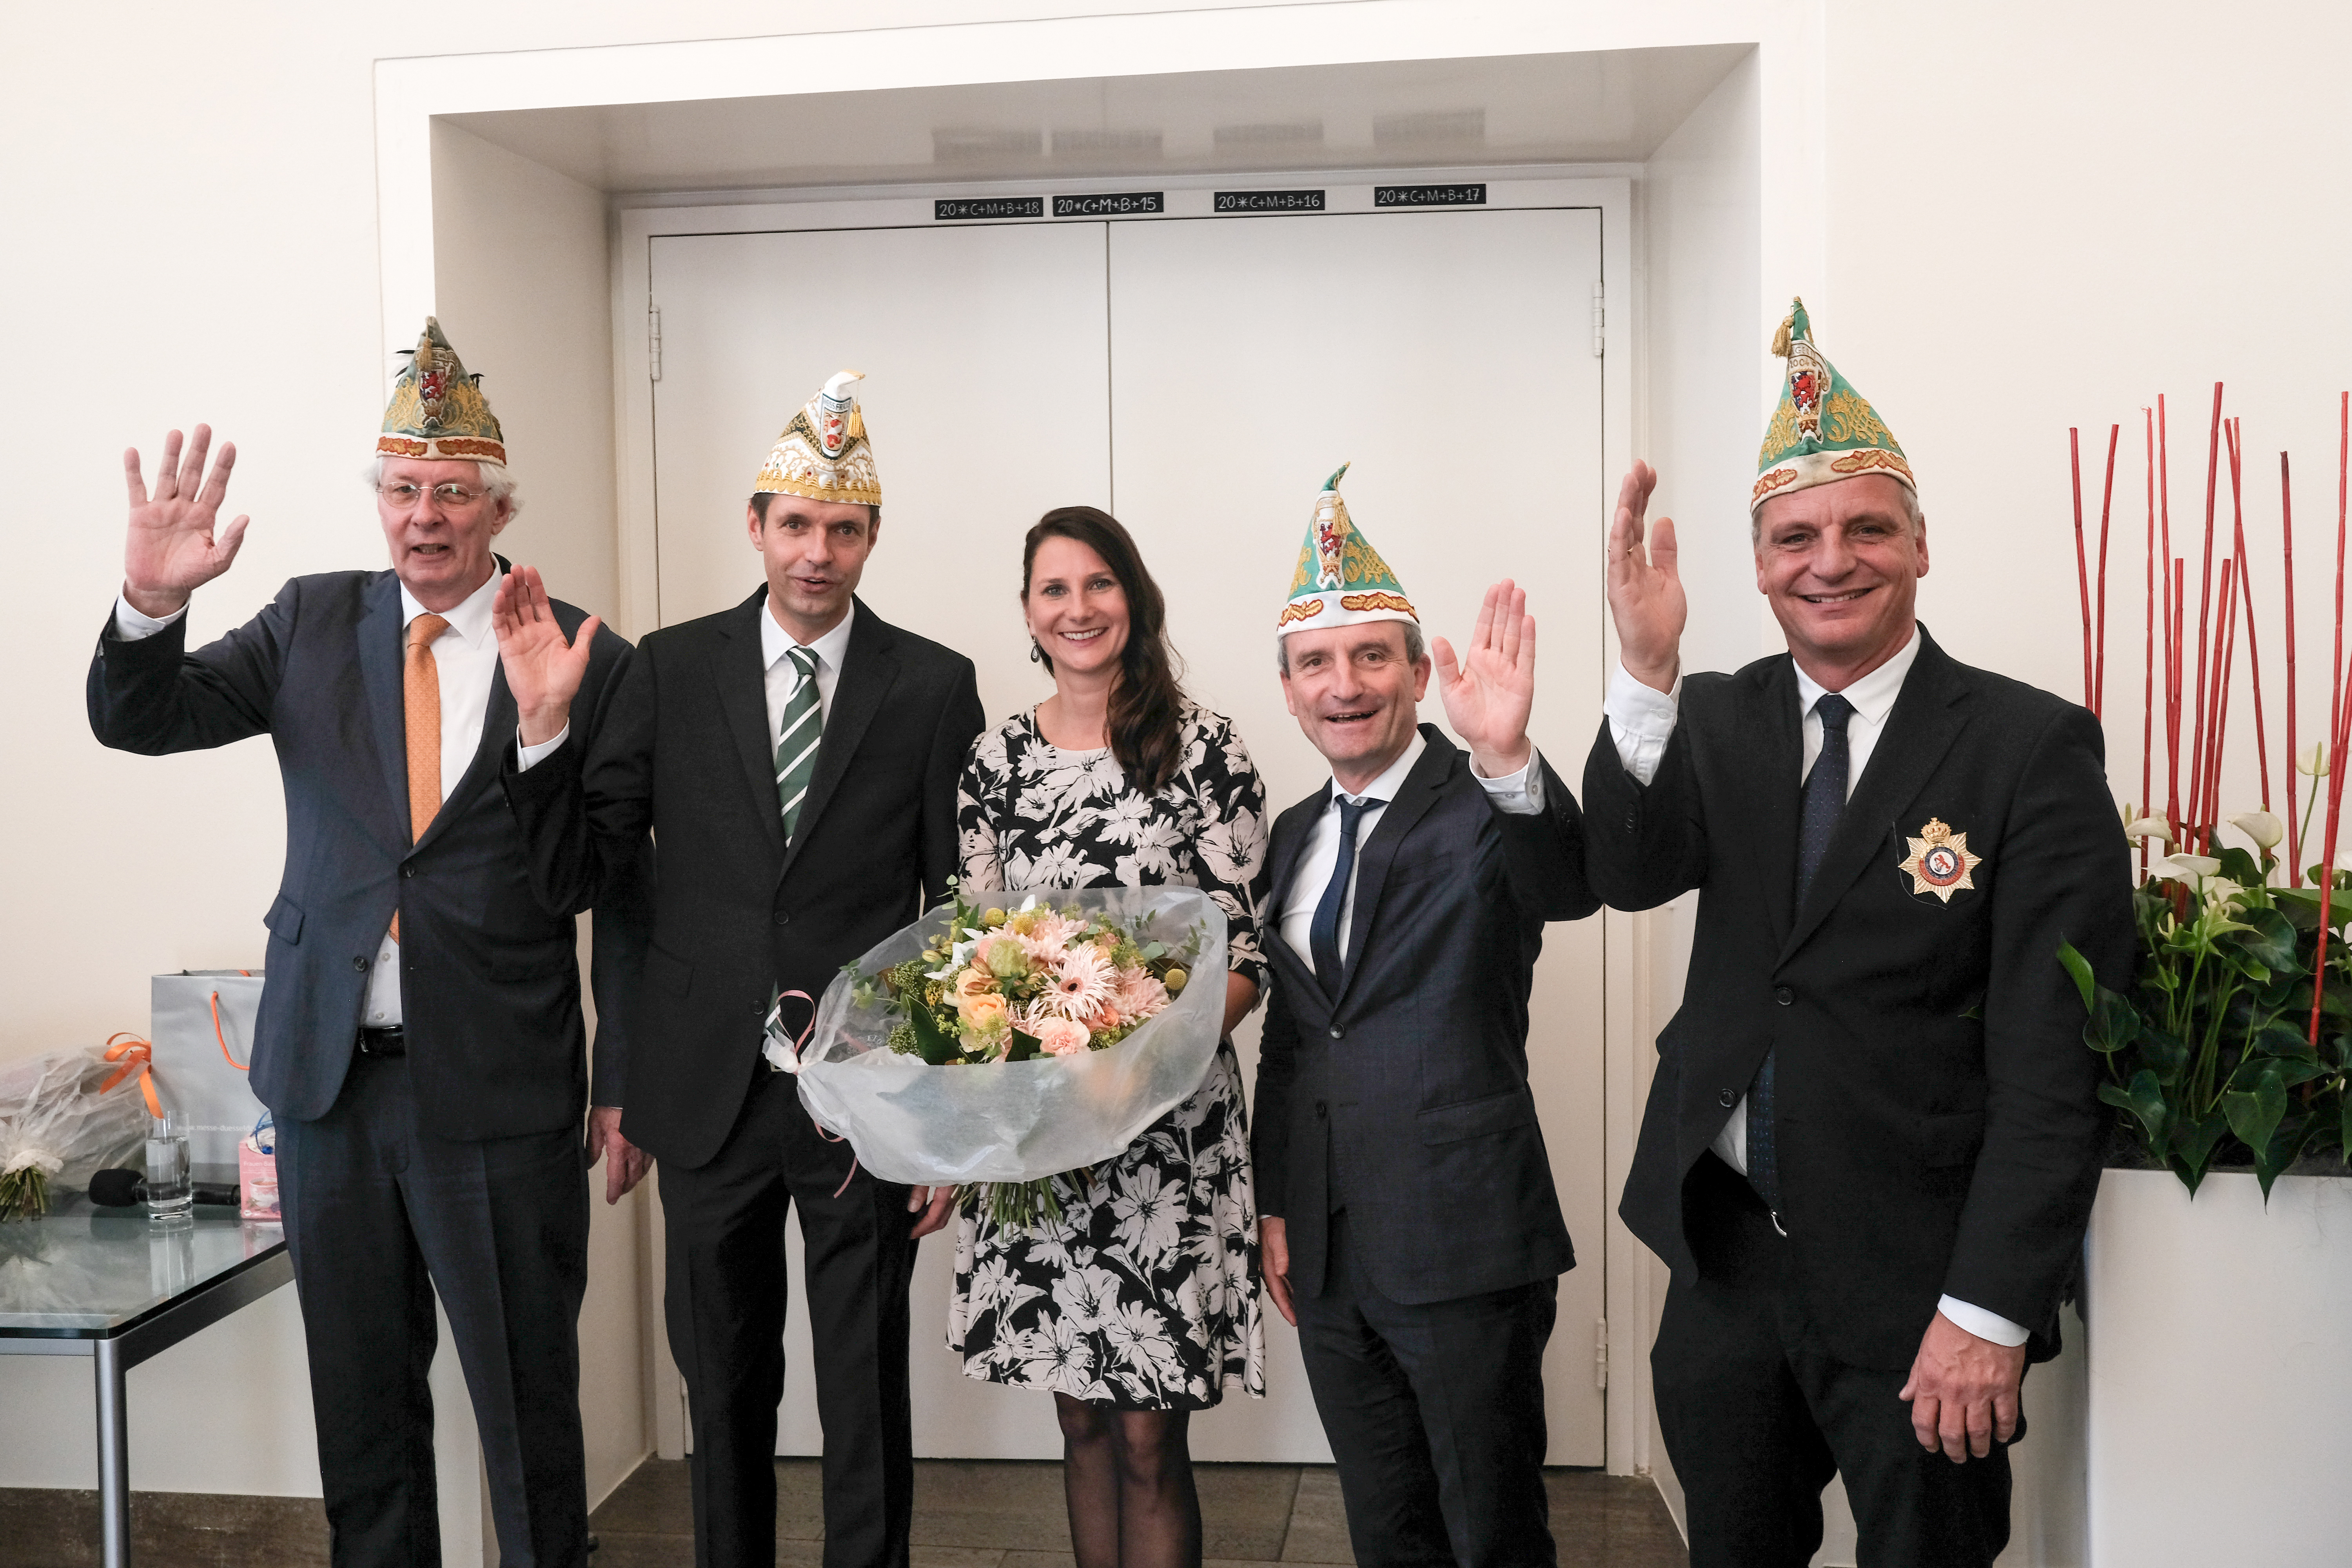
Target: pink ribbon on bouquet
(776, 1012)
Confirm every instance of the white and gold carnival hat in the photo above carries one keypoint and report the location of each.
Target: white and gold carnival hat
(1341, 579)
(823, 454)
(437, 410)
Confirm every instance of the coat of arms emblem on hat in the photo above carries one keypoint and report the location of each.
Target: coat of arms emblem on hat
(1939, 862)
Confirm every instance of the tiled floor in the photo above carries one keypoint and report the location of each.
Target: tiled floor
(973, 1513)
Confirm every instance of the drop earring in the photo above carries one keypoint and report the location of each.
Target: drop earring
(1036, 654)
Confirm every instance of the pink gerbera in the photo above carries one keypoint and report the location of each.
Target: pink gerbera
(1139, 994)
(1081, 983)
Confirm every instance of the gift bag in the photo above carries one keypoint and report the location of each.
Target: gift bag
(256, 1173)
(201, 1031)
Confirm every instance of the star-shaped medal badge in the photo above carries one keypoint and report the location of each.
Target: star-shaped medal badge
(1939, 862)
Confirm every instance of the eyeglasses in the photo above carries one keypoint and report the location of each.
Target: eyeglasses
(405, 496)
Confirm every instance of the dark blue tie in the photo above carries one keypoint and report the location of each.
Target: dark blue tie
(1817, 820)
(1323, 935)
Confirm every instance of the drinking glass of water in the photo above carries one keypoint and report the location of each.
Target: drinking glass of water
(169, 1193)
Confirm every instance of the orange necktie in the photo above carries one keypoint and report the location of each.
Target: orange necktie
(420, 681)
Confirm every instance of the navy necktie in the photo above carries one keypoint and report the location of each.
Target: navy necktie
(1817, 820)
(1323, 935)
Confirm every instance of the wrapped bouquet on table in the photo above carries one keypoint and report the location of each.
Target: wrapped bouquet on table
(997, 1048)
(63, 1116)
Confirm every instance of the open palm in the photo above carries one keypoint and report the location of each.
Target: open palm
(1645, 587)
(175, 545)
(1491, 689)
(544, 668)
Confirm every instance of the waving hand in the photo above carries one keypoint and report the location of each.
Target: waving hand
(1489, 694)
(543, 671)
(1645, 591)
(174, 546)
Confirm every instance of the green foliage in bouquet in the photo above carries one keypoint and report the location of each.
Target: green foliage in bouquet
(2211, 1057)
(1009, 986)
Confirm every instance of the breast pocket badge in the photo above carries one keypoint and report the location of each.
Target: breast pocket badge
(1939, 861)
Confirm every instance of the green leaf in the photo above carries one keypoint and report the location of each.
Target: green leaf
(2239, 866)
(1024, 1046)
(2166, 1055)
(2144, 1100)
(2080, 968)
(2268, 939)
(2301, 906)
(2193, 1145)
(2271, 1160)
(2115, 1024)
(931, 1043)
(2278, 1037)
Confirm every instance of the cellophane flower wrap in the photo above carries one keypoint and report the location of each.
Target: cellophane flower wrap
(58, 1124)
(1007, 1039)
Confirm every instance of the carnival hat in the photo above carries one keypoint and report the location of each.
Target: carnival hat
(1341, 579)
(437, 410)
(1824, 430)
(823, 454)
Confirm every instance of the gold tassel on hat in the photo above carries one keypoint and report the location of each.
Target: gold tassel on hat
(1781, 338)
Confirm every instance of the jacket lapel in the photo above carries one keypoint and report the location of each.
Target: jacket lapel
(743, 679)
(1918, 733)
(869, 669)
(379, 632)
(1290, 833)
(1413, 798)
(498, 733)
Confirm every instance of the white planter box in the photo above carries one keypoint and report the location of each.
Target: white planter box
(2220, 1372)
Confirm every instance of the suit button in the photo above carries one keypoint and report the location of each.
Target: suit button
(759, 1009)
(782, 918)
(1321, 1111)
(1783, 996)
(1337, 1031)
(408, 870)
(1630, 823)
(359, 962)
(1727, 1098)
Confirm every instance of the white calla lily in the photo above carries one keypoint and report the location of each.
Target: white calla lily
(2189, 869)
(2312, 760)
(2263, 827)
(2148, 827)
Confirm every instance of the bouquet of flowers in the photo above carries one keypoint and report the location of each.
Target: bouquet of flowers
(996, 1047)
(61, 1117)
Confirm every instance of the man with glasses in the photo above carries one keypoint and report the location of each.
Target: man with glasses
(420, 1040)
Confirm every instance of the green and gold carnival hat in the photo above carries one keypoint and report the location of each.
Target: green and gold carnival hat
(1341, 579)
(1824, 430)
(437, 410)
(823, 454)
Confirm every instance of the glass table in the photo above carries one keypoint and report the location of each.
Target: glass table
(118, 1288)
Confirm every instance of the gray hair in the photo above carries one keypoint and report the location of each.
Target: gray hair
(1415, 647)
(497, 483)
(1919, 518)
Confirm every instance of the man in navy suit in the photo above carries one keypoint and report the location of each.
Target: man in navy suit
(1407, 1215)
(420, 1040)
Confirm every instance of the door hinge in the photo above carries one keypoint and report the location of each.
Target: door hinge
(1600, 317)
(653, 339)
(1600, 1353)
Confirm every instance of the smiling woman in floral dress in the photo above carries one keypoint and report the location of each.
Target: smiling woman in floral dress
(1140, 1303)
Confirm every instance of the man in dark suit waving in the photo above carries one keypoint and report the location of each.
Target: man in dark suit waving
(795, 760)
(1408, 1221)
(1871, 1142)
(420, 1038)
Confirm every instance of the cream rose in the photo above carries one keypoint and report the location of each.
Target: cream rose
(981, 1009)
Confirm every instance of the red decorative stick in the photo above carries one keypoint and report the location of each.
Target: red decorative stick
(2225, 652)
(2198, 806)
(2082, 567)
(2171, 621)
(2148, 650)
(2246, 592)
(2106, 503)
(2294, 817)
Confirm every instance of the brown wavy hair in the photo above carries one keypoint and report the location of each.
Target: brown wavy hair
(1146, 718)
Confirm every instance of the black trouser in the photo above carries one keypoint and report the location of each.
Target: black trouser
(1435, 1415)
(725, 1223)
(380, 1214)
(1758, 1416)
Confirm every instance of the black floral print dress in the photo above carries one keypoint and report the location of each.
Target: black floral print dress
(1144, 1294)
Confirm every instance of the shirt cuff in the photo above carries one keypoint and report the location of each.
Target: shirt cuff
(1640, 721)
(1519, 793)
(131, 625)
(528, 757)
(1983, 1324)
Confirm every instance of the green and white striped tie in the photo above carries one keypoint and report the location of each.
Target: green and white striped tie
(796, 746)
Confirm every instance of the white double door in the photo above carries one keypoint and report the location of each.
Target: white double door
(1198, 379)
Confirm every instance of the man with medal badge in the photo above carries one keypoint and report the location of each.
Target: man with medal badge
(1872, 1139)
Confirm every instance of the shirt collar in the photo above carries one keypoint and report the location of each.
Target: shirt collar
(470, 619)
(1874, 695)
(775, 642)
(1384, 788)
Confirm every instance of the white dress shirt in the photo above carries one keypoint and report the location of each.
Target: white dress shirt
(1520, 794)
(785, 675)
(466, 658)
(1640, 721)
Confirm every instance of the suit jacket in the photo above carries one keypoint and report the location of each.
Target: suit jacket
(1938, 1111)
(731, 916)
(490, 980)
(1403, 1099)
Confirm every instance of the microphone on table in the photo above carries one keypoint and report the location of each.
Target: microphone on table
(127, 1189)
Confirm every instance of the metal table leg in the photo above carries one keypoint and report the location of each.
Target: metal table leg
(113, 1455)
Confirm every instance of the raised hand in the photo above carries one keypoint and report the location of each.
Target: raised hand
(543, 671)
(173, 546)
(1490, 691)
(1645, 591)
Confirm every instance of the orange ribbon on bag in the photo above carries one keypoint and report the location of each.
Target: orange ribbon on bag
(222, 1038)
(136, 1056)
